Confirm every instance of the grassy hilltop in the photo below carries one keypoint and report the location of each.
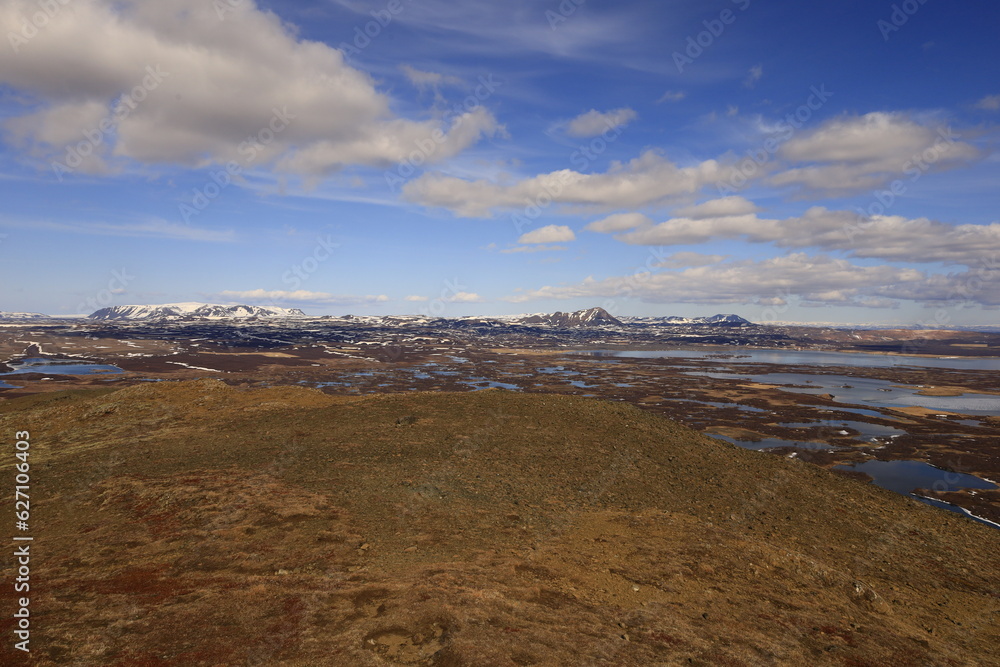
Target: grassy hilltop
(195, 523)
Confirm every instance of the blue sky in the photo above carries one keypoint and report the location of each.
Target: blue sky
(832, 162)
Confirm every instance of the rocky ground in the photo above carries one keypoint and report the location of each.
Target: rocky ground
(196, 523)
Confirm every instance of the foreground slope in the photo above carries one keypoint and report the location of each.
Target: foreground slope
(199, 524)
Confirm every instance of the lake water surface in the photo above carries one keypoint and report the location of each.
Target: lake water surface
(810, 358)
(58, 367)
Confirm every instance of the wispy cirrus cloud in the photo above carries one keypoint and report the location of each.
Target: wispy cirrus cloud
(533, 249)
(158, 229)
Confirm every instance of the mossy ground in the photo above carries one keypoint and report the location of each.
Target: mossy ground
(199, 524)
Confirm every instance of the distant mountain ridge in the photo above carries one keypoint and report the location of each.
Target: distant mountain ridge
(581, 318)
(192, 310)
(717, 320)
(589, 317)
(22, 316)
(599, 317)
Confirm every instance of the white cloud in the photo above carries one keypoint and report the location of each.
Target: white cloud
(464, 297)
(218, 82)
(594, 122)
(989, 103)
(732, 205)
(647, 179)
(753, 76)
(891, 238)
(619, 222)
(302, 296)
(671, 96)
(415, 297)
(548, 234)
(819, 279)
(954, 290)
(682, 231)
(853, 154)
(687, 259)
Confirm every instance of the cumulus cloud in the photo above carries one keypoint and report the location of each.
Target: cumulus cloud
(732, 205)
(989, 103)
(682, 231)
(891, 238)
(686, 259)
(956, 290)
(594, 122)
(813, 278)
(856, 153)
(464, 297)
(302, 296)
(647, 179)
(416, 298)
(548, 234)
(619, 222)
(200, 90)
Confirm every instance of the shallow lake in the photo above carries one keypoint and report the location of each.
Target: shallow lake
(58, 367)
(904, 477)
(809, 358)
(881, 393)
(865, 429)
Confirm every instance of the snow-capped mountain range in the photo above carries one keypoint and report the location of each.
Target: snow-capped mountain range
(720, 320)
(191, 310)
(590, 317)
(22, 316)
